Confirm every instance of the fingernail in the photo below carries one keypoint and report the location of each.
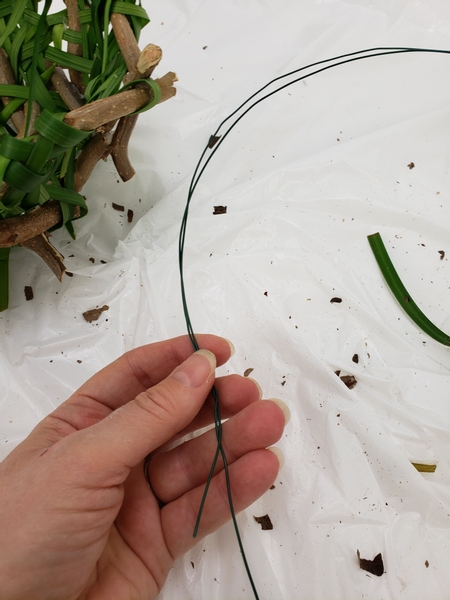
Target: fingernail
(278, 454)
(232, 348)
(284, 407)
(257, 385)
(196, 370)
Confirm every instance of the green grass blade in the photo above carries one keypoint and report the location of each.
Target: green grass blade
(69, 61)
(18, 8)
(14, 91)
(401, 293)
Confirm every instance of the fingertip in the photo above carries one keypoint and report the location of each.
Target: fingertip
(284, 407)
(258, 387)
(279, 454)
(231, 345)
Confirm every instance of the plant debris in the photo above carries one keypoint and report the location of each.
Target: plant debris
(349, 380)
(213, 140)
(219, 210)
(442, 253)
(336, 300)
(248, 371)
(118, 207)
(94, 313)
(29, 295)
(375, 566)
(424, 468)
(411, 165)
(264, 521)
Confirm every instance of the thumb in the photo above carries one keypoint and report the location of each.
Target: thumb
(126, 436)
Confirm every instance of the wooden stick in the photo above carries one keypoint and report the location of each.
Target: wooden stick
(7, 77)
(17, 230)
(98, 147)
(35, 112)
(48, 253)
(126, 40)
(66, 89)
(119, 147)
(92, 115)
(74, 23)
(166, 84)
(149, 59)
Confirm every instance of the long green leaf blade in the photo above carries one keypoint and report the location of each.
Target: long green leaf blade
(19, 7)
(401, 293)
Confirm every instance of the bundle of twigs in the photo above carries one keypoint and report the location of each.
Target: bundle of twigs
(71, 86)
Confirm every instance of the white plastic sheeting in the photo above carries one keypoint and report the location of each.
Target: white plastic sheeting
(305, 176)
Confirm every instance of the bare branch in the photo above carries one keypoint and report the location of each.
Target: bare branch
(74, 23)
(166, 84)
(126, 40)
(119, 147)
(7, 77)
(17, 230)
(97, 148)
(66, 89)
(48, 253)
(92, 115)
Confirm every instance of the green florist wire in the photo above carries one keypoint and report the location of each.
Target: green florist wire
(214, 143)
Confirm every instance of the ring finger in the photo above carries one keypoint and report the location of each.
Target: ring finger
(187, 466)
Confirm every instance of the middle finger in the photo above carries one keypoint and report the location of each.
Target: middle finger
(175, 472)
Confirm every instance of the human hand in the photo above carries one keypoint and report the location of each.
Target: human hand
(77, 518)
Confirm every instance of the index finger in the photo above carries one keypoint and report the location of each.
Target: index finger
(131, 374)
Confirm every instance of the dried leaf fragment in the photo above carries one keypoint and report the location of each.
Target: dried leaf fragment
(94, 313)
(247, 372)
(349, 380)
(424, 468)
(219, 210)
(264, 521)
(375, 566)
(213, 140)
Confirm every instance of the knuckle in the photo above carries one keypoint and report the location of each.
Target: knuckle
(159, 402)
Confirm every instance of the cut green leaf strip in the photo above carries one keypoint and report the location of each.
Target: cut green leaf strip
(424, 468)
(401, 293)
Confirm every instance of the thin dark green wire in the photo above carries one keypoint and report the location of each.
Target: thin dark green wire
(214, 143)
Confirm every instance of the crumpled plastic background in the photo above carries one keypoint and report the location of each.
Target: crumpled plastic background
(305, 176)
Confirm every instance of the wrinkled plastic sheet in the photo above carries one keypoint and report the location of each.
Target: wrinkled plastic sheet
(305, 177)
